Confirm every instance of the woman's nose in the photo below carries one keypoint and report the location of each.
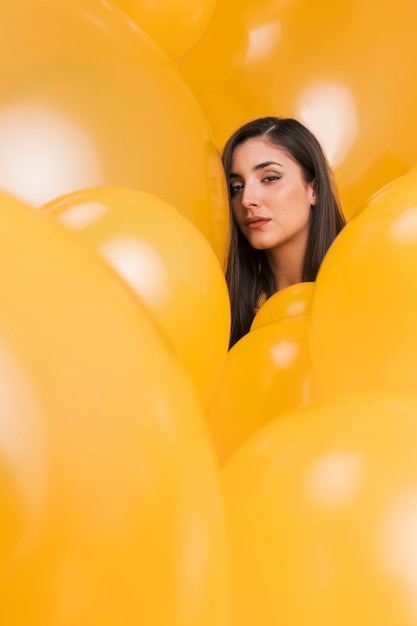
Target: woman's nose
(250, 198)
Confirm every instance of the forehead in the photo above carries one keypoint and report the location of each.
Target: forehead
(254, 151)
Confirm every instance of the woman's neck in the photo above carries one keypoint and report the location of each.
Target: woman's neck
(287, 266)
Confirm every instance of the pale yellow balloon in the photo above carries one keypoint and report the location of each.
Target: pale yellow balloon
(88, 99)
(322, 511)
(364, 308)
(267, 372)
(110, 499)
(175, 25)
(168, 263)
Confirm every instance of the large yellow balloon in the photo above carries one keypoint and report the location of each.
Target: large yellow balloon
(364, 308)
(322, 508)
(109, 494)
(89, 100)
(266, 373)
(175, 26)
(347, 70)
(167, 262)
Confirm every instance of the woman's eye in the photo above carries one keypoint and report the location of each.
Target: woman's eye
(235, 188)
(271, 178)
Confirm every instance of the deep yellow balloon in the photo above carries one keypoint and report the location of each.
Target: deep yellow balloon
(322, 509)
(293, 301)
(364, 308)
(175, 26)
(109, 493)
(88, 99)
(166, 260)
(266, 373)
(294, 58)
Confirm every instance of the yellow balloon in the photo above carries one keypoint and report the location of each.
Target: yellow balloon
(89, 100)
(293, 301)
(364, 308)
(109, 492)
(266, 373)
(322, 510)
(175, 26)
(166, 260)
(294, 59)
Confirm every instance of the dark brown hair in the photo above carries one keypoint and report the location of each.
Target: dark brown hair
(249, 277)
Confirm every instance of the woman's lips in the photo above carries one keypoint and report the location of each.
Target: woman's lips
(257, 222)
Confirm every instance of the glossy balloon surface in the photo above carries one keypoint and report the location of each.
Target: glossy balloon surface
(364, 308)
(347, 70)
(110, 498)
(267, 372)
(293, 301)
(322, 507)
(169, 264)
(175, 26)
(88, 100)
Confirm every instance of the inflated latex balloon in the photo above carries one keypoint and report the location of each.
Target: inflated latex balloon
(88, 99)
(322, 507)
(167, 261)
(267, 372)
(364, 308)
(175, 26)
(293, 58)
(293, 301)
(109, 493)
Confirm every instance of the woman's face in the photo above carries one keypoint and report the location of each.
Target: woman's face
(271, 201)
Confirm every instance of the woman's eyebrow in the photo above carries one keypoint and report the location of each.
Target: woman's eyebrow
(261, 166)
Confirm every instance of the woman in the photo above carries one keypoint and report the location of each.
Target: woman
(285, 212)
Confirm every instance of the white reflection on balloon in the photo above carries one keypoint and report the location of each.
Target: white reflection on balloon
(284, 354)
(297, 308)
(398, 544)
(309, 388)
(82, 215)
(403, 229)
(193, 558)
(140, 266)
(330, 113)
(44, 155)
(334, 480)
(262, 41)
(23, 441)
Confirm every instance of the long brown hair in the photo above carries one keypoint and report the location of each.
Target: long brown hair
(248, 274)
